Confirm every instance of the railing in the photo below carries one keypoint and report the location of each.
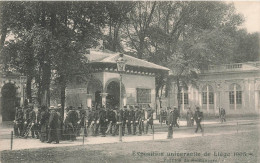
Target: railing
(225, 67)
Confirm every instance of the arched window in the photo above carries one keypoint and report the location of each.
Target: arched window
(184, 97)
(235, 94)
(207, 95)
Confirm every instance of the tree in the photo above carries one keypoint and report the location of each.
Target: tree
(117, 16)
(140, 19)
(56, 34)
(189, 36)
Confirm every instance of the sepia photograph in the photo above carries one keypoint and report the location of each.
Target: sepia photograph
(130, 81)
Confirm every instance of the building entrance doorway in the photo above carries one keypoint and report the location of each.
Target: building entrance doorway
(113, 91)
(8, 102)
(113, 97)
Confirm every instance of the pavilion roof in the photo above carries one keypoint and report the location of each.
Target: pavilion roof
(96, 56)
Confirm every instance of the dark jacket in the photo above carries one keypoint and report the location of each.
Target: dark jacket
(32, 116)
(111, 116)
(102, 115)
(54, 119)
(131, 116)
(170, 118)
(198, 116)
(19, 116)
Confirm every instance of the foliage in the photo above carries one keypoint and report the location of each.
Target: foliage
(50, 38)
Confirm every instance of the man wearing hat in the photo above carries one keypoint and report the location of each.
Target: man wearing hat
(170, 122)
(135, 122)
(131, 119)
(53, 125)
(44, 120)
(175, 117)
(149, 118)
(18, 122)
(111, 117)
(103, 121)
(198, 115)
(139, 119)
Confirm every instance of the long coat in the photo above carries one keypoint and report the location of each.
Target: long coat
(170, 118)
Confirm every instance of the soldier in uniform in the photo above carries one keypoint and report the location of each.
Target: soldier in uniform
(139, 120)
(198, 115)
(18, 122)
(103, 121)
(26, 112)
(149, 118)
(130, 119)
(135, 122)
(96, 118)
(170, 123)
(118, 118)
(125, 119)
(111, 116)
(90, 124)
(32, 120)
(53, 126)
(72, 123)
(44, 120)
(83, 120)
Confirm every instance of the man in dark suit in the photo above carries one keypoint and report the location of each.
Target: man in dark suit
(103, 121)
(131, 119)
(149, 118)
(170, 123)
(18, 123)
(124, 119)
(198, 115)
(44, 120)
(53, 125)
(175, 117)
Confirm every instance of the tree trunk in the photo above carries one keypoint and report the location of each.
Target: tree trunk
(178, 94)
(46, 76)
(141, 48)
(29, 88)
(3, 36)
(62, 94)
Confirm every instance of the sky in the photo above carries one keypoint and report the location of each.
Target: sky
(251, 12)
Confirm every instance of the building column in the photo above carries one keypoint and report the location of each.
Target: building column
(89, 100)
(215, 102)
(207, 98)
(200, 102)
(256, 100)
(124, 100)
(235, 97)
(190, 96)
(104, 98)
(182, 91)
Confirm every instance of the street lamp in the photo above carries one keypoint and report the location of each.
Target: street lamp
(23, 80)
(121, 62)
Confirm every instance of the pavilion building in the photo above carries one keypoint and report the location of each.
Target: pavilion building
(103, 87)
(234, 87)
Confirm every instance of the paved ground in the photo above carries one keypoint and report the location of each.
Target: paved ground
(160, 134)
(220, 144)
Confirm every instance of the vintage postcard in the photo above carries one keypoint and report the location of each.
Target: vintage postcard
(129, 81)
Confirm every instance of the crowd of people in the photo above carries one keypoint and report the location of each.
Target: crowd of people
(48, 125)
(171, 117)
